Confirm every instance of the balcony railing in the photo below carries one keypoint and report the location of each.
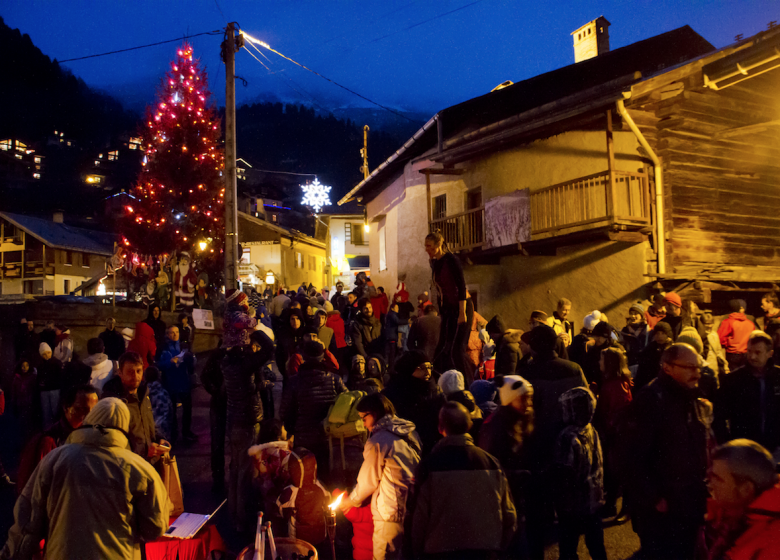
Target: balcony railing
(619, 197)
(463, 231)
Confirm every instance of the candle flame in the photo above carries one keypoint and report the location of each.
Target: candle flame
(336, 503)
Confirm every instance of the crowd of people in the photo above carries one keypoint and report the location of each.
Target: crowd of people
(443, 435)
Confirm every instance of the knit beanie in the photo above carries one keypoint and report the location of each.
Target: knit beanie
(237, 297)
(109, 412)
(313, 350)
(602, 329)
(327, 306)
(665, 328)
(496, 327)
(513, 386)
(736, 304)
(591, 320)
(43, 348)
(689, 335)
(673, 298)
(483, 391)
(451, 381)
(409, 362)
(638, 308)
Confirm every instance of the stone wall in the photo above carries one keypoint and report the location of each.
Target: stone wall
(85, 321)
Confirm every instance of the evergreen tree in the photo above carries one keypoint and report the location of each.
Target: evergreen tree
(180, 190)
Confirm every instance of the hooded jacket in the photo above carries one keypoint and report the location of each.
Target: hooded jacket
(336, 323)
(304, 501)
(460, 486)
(114, 343)
(508, 353)
(366, 333)
(144, 343)
(243, 381)
(49, 374)
(734, 333)
(60, 502)
(158, 325)
(390, 459)
(102, 370)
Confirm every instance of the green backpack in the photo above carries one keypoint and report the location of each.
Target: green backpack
(343, 421)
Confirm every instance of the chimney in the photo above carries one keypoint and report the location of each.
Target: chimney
(591, 40)
(58, 218)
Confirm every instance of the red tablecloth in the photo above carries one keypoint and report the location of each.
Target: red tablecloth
(198, 547)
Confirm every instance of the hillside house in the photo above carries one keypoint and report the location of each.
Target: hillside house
(552, 187)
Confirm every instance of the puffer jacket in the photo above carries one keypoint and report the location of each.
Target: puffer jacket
(306, 400)
(60, 503)
(102, 370)
(144, 343)
(390, 459)
(242, 373)
(734, 333)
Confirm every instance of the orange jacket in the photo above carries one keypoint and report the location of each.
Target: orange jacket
(734, 333)
(761, 539)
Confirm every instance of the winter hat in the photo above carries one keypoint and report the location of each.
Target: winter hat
(602, 329)
(312, 350)
(483, 391)
(513, 386)
(638, 308)
(673, 298)
(543, 339)
(451, 381)
(237, 297)
(43, 348)
(736, 304)
(327, 306)
(409, 362)
(540, 316)
(689, 335)
(496, 327)
(127, 334)
(665, 328)
(578, 406)
(109, 412)
(591, 320)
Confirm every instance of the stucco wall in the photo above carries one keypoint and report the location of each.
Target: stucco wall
(602, 275)
(607, 276)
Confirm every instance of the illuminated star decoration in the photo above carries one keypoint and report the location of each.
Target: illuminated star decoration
(315, 195)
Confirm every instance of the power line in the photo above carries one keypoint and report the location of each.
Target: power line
(353, 92)
(217, 32)
(423, 22)
(221, 12)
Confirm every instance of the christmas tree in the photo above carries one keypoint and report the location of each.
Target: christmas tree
(180, 191)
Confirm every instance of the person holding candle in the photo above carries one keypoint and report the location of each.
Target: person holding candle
(390, 458)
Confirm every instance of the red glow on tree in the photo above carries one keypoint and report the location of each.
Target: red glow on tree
(180, 189)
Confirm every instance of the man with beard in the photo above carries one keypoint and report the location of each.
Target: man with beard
(184, 281)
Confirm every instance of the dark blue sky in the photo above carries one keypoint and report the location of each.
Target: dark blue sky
(364, 45)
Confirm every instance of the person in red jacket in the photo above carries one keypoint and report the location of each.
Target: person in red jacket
(734, 333)
(362, 529)
(335, 322)
(743, 515)
(144, 343)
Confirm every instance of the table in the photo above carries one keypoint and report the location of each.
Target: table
(198, 547)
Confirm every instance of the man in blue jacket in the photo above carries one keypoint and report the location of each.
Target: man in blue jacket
(176, 367)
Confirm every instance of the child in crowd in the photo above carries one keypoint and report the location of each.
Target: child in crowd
(580, 477)
(304, 501)
(362, 529)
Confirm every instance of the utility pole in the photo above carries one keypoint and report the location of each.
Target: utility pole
(364, 153)
(229, 48)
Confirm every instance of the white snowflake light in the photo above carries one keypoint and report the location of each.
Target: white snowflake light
(315, 195)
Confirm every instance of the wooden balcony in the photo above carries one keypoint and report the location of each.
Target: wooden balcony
(462, 232)
(590, 202)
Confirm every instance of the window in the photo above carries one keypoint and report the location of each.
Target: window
(135, 143)
(66, 286)
(37, 159)
(33, 287)
(313, 263)
(68, 258)
(113, 155)
(6, 144)
(439, 207)
(246, 256)
(36, 175)
(298, 260)
(474, 198)
(589, 30)
(273, 217)
(359, 235)
(348, 233)
(85, 260)
(382, 231)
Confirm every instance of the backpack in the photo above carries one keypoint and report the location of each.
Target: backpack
(343, 421)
